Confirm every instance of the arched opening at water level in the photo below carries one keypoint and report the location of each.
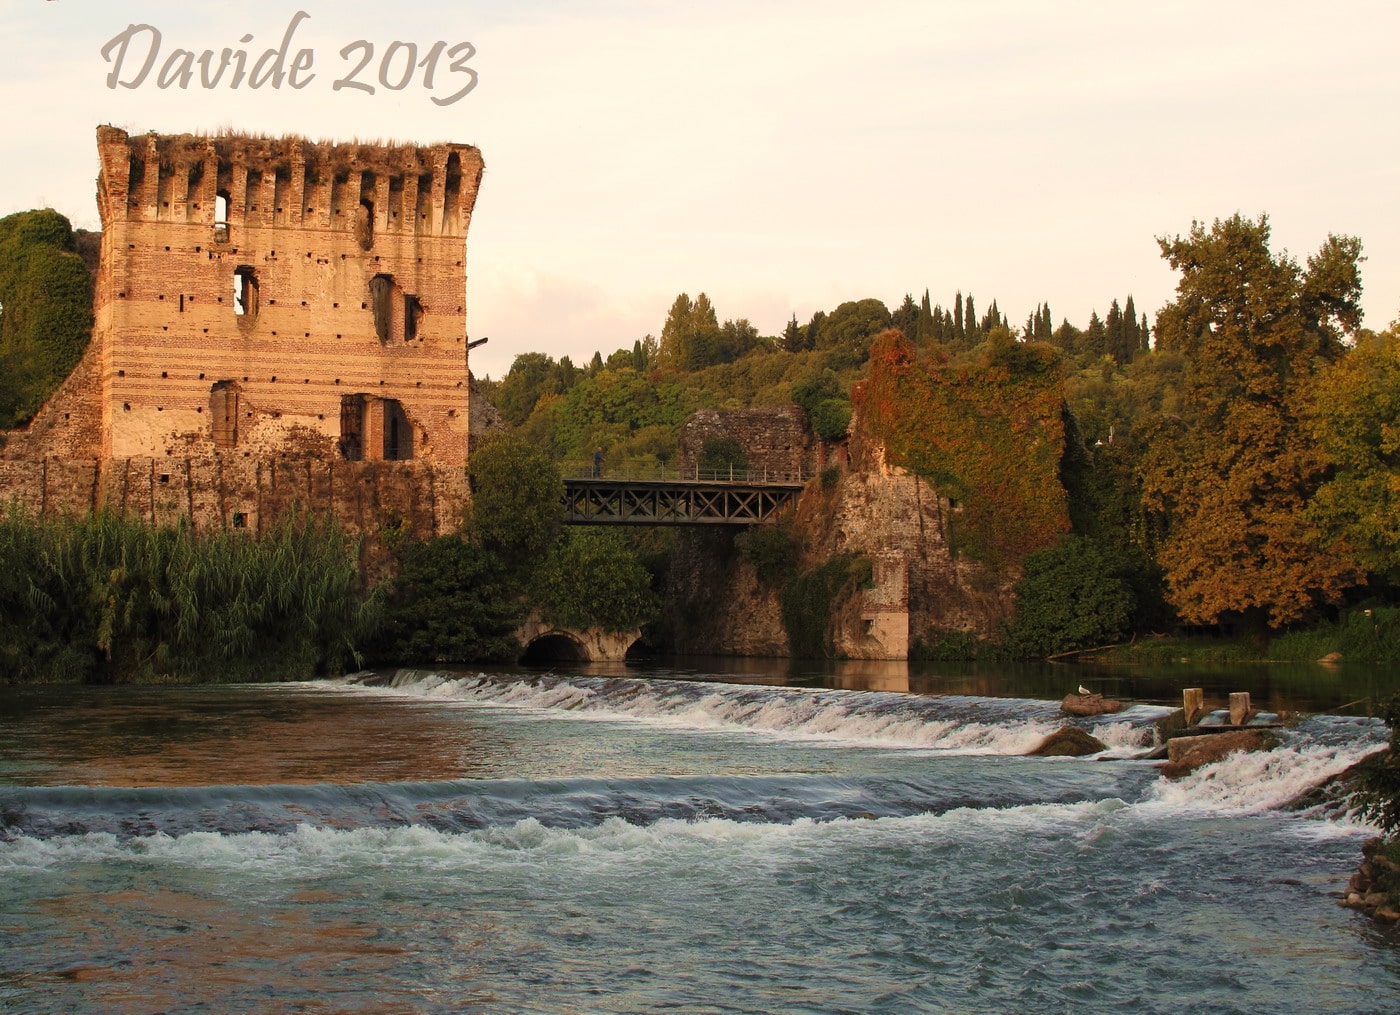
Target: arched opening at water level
(552, 649)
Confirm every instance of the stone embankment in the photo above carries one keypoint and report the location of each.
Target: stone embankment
(1375, 887)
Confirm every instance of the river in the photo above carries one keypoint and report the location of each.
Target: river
(578, 842)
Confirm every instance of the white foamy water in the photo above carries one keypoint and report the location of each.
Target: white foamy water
(1255, 782)
(310, 850)
(841, 718)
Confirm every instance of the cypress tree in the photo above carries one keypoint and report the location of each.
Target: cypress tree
(792, 336)
(1095, 336)
(926, 326)
(958, 331)
(1115, 343)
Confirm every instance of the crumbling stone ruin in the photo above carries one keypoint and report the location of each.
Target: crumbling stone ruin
(278, 322)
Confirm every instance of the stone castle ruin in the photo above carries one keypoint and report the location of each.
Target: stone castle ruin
(277, 322)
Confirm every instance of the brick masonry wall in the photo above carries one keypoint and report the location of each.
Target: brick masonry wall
(132, 427)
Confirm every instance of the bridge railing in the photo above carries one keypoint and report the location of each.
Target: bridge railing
(662, 473)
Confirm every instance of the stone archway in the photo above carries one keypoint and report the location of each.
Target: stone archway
(548, 649)
(548, 643)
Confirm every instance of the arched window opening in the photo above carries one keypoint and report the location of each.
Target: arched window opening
(223, 413)
(221, 217)
(352, 427)
(381, 291)
(398, 432)
(245, 291)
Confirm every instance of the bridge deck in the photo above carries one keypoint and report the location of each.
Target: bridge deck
(702, 501)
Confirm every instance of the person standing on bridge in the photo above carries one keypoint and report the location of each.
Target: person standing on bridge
(597, 463)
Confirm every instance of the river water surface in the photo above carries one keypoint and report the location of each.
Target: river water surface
(564, 843)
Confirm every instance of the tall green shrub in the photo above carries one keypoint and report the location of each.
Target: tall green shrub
(1074, 595)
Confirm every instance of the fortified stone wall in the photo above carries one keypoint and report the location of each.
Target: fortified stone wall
(775, 440)
(216, 492)
(278, 322)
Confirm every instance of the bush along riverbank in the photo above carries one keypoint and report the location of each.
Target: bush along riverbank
(1374, 786)
(104, 598)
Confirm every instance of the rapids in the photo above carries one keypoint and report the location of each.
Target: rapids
(464, 842)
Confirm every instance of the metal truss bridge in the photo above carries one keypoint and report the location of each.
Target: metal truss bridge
(697, 498)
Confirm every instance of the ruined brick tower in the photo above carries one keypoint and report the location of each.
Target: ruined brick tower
(276, 321)
(256, 292)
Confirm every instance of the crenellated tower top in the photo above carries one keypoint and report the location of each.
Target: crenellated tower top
(225, 180)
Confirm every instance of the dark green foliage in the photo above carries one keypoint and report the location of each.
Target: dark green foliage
(827, 407)
(1074, 595)
(906, 318)
(773, 550)
(593, 579)
(453, 601)
(722, 455)
(1361, 635)
(532, 376)
(693, 339)
(849, 329)
(45, 310)
(950, 647)
(517, 503)
(109, 599)
(614, 405)
(809, 600)
(831, 418)
(793, 339)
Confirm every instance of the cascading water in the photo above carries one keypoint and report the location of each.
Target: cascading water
(445, 842)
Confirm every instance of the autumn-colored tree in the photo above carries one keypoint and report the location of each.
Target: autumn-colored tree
(1234, 471)
(1353, 412)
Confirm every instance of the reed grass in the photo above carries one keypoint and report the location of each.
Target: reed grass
(104, 598)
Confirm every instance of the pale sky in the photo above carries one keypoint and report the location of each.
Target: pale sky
(784, 156)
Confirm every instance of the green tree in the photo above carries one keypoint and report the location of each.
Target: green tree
(792, 336)
(722, 455)
(691, 338)
(824, 400)
(850, 327)
(1073, 595)
(1235, 471)
(517, 500)
(453, 600)
(926, 330)
(532, 376)
(592, 579)
(906, 318)
(45, 310)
